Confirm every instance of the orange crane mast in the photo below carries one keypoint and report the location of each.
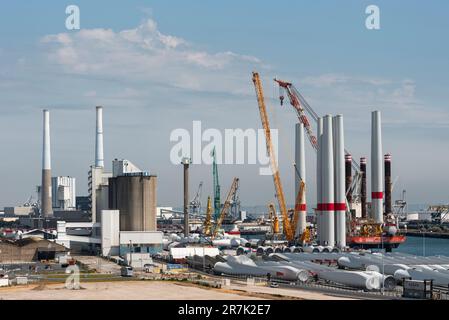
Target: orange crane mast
(273, 163)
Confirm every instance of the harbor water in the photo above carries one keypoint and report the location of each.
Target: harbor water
(422, 246)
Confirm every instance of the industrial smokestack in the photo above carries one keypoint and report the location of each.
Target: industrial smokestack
(319, 198)
(376, 168)
(99, 157)
(300, 169)
(186, 163)
(327, 186)
(388, 186)
(348, 176)
(363, 186)
(46, 203)
(340, 194)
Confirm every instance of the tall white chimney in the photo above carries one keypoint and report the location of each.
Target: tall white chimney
(340, 193)
(99, 157)
(327, 174)
(300, 160)
(319, 197)
(377, 175)
(46, 202)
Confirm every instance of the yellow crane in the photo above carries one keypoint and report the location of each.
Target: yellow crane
(273, 218)
(208, 220)
(226, 206)
(273, 163)
(299, 197)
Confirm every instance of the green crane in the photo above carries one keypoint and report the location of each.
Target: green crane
(217, 202)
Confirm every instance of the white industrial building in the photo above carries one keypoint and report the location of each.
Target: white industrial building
(122, 167)
(119, 243)
(63, 192)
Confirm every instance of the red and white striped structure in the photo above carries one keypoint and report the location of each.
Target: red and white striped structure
(377, 183)
(300, 159)
(339, 179)
(318, 213)
(326, 207)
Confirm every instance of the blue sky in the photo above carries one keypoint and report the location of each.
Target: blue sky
(158, 65)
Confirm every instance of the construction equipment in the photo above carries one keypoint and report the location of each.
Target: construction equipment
(208, 220)
(298, 201)
(235, 205)
(273, 218)
(195, 204)
(306, 236)
(273, 162)
(217, 201)
(226, 205)
(301, 105)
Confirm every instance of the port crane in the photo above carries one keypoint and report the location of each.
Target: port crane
(217, 200)
(226, 206)
(195, 204)
(273, 162)
(300, 105)
(274, 220)
(208, 220)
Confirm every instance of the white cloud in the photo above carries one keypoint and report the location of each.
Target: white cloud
(354, 96)
(146, 54)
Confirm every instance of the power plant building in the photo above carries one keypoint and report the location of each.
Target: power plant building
(63, 193)
(134, 195)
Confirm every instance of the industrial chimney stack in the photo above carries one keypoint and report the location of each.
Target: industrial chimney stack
(46, 202)
(99, 157)
(186, 162)
(388, 186)
(376, 168)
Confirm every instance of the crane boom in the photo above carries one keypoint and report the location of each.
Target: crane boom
(217, 200)
(226, 205)
(273, 163)
(208, 220)
(301, 105)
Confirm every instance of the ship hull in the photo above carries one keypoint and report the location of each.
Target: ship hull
(376, 242)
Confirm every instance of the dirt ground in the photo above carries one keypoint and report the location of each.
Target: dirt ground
(151, 290)
(118, 290)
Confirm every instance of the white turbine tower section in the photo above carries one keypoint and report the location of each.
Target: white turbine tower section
(99, 156)
(46, 202)
(340, 196)
(300, 159)
(318, 181)
(377, 183)
(327, 173)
